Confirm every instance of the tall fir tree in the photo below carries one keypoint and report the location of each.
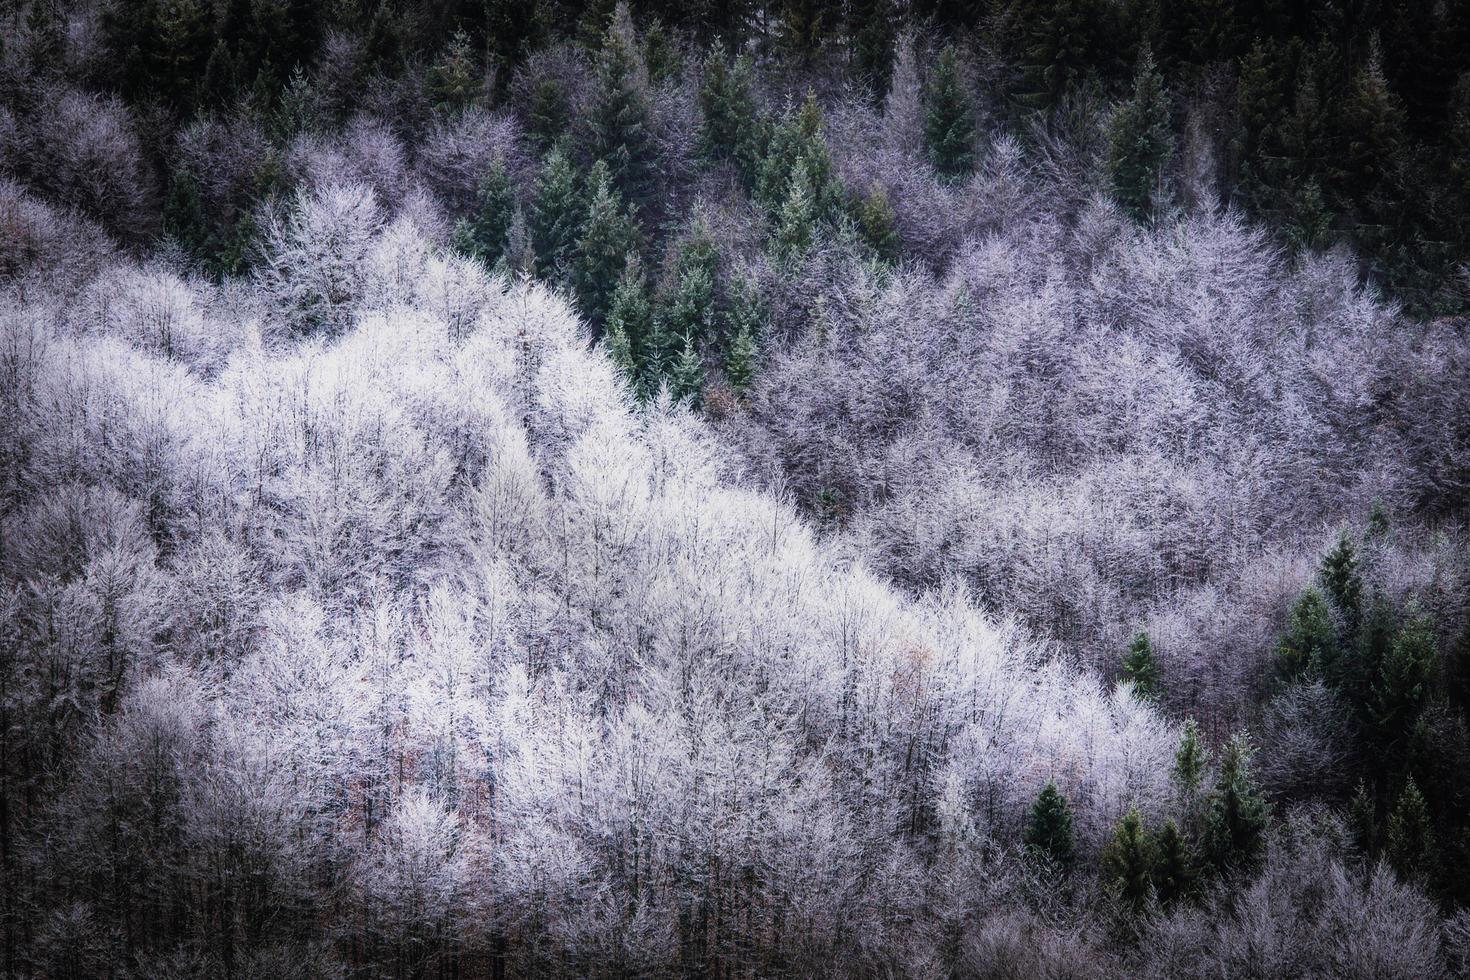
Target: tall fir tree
(1129, 861)
(686, 377)
(1174, 868)
(556, 217)
(630, 314)
(1142, 668)
(731, 127)
(1343, 584)
(608, 237)
(1409, 844)
(796, 223)
(1191, 760)
(877, 223)
(1234, 836)
(949, 119)
(1049, 836)
(486, 234)
(1309, 645)
(1402, 687)
(619, 120)
(871, 31)
(1140, 140)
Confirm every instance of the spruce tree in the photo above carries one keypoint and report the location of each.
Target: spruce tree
(1234, 836)
(798, 141)
(1129, 862)
(686, 378)
(740, 360)
(1140, 140)
(619, 123)
(608, 237)
(183, 214)
(630, 314)
(1191, 760)
(556, 218)
(1049, 835)
(1362, 819)
(871, 41)
(796, 223)
(620, 352)
(692, 310)
(876, 222)
(1409, 839)
(485, 235)
(549, 115)
(730, 124)
(949, 119)
(1362, 662)
(1142, 668)
(1342, 582)
(1403, 682)
(455, 80)
(1309, 645)
(1174, 867)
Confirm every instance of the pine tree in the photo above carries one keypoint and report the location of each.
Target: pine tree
(630, 314)
(1049, 836)
(730, 125)
(1174, 867)
(486, 234)
(221, 82)
(1129, 862)
(1403, 682)
(556, 218)
(949, 119)
(686, 378)
(798, 141)
(1191, 760)
(1373, 125)
(1363, 820)
(608, 237)
(620, 352)
(183, 214)
(740, 360)
(455, 79)
(1142, 668)
(1139, 143)
(1309, 645)
(619, 120)
(871, 41)
(1342, 583)
(1409, 841)
(796, 225)
(549, 115)
(1235, 825)
(877, 223)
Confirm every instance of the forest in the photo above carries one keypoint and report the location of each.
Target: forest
(884, 488)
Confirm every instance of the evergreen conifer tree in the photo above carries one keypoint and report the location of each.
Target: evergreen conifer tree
(1309, 645)
(485, 235)
(949, 119)
(619, 123)
(608, 237)
(686, 379)
(1129, 861)
(876, 221)
(740, 360)
(1142, 668)
(1140, 140)
(1174, 867)
(1234, 834)
(797, 221)
(1191, 760)
(1409, 838)
(1049, 836)
(630, 314)
(730, 125)
(1342, 582)
(556, 217)
(1402, 686)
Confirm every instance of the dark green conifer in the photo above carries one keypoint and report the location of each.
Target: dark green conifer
(949, 119)
(1140, 141)
(1049, 836)
(1142, 668)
